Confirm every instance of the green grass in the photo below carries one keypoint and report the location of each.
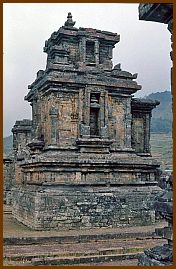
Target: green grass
(162, 149)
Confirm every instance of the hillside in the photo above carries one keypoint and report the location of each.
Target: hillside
(162, 115)
(7, 144)
(161, 129)
(162, 149)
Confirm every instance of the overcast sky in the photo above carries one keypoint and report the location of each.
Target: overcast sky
(144, 47)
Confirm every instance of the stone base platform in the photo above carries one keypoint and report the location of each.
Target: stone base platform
(63, 207)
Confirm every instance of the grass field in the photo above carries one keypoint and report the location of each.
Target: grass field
(162, 149)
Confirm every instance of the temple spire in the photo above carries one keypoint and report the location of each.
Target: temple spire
(69, 22)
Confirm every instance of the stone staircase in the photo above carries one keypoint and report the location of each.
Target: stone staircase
(85, 249)
(105, 246)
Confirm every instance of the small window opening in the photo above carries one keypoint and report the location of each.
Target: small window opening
(90, 52)
(94, 114)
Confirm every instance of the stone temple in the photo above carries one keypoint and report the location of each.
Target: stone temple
(84, 160)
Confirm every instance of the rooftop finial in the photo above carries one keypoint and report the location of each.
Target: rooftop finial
(69, 21)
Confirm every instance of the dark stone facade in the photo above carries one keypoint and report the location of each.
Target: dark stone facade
(11, 169)
(163, 205)
(21, 137)
(88, 163)
(8, 175)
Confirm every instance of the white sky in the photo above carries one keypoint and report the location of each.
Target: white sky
(144, 47)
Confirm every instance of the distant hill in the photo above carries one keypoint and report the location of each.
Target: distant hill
(7, 144)
(162, 116)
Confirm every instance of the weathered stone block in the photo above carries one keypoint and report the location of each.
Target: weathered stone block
(62, 207)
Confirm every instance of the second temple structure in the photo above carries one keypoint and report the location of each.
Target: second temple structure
(84, 160)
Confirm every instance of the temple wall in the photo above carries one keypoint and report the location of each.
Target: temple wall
(73, 51)
(21, 134)
(83, 207)
(68, 119)
(8, 176)
(138, 133)
(65, 120)
(116, 118)
(18, 174)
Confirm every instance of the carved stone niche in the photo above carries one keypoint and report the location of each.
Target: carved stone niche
(59, 54)
(90, 52)
(94, 115)
(94, 135)
(54, 125)
(141, 110)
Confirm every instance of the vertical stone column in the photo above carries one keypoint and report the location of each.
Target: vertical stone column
(84, 113)
(34, 117)
(38, 120)
(147, 133)
(15, 143)
(109, 64)
(81, 96)
(8, 176)
(80, 105)
(54, 125)
(82, 49)
(128, 118)
(102, 110)
(87, 106)
(104, 114)
(110, 52)
(106, 109)
(97, 52)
